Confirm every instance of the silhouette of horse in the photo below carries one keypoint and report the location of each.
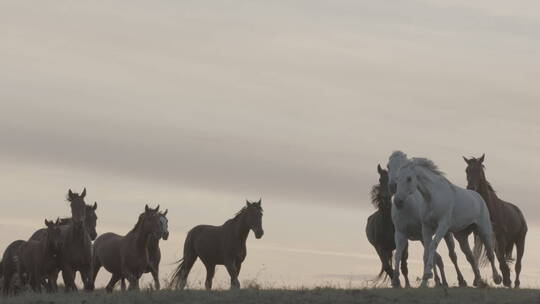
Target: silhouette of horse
(37, 258)
(154, 253)
(9, 266)
(127, 256)
(220, 245)
(380, 229)
(83, 264)
(509, 224)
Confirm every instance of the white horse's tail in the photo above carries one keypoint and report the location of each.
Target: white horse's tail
(479, 252)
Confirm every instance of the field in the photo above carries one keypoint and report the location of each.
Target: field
(317, 295)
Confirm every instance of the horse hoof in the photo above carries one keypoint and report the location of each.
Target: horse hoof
(497, 279)
(463, 283)
(507, 282)
(424, 284)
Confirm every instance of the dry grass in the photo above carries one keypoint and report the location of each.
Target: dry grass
(316, 295)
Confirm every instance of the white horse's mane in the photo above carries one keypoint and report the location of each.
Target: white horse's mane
(427, 164)
(399, 154)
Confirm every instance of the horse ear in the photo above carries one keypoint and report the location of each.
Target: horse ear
(165, 213)
(247, 203)
(47, 223)
(259, 202)
(70, 194)
(481, 159)
(146, 209)
(379, 169)
(57, 221)
(95, 206)
(466, 160)
(157, 209)
(83, 194)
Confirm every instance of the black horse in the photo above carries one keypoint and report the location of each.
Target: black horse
(380, 229)
(220, 245)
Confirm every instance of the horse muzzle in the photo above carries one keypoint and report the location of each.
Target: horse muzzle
(392, 187)
(259, 234)
(165, 236)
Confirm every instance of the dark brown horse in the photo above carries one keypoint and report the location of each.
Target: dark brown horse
(76, 249)
(36, 259)
(154, 253)
(509, 225)
(9, 266)
(127, 256)
(380, 229)
(220, 245)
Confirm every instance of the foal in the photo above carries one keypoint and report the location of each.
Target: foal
(37, 258)
(220, 245)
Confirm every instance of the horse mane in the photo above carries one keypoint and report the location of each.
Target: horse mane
(398, 154)
(431, 167)
(428, 164)
(138, 224)
(65, 221)
(241, 211)
(378, 199)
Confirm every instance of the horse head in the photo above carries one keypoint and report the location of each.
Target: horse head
(91, 220)
(254, 213)
(78, 206)
(395, 161)
(475, 172)
(54, 237)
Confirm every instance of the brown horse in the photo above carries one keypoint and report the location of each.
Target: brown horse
(37, 258)
(154, 253)
(9, 266)
(127, 256)
(77, 247)
(509, 225)
(220, 245)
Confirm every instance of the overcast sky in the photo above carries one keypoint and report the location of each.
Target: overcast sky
(199, 105)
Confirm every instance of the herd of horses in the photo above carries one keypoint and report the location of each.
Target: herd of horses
(65, 246)
(414, 201)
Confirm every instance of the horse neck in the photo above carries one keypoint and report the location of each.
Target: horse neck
(487, 193)
(153, 243)
(141, 237)
(241, 228)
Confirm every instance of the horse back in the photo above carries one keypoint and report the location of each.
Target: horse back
(207, 242)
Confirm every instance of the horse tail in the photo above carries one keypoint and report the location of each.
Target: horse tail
(479, 251)
(175, 278)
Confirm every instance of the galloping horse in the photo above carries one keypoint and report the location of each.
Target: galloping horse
(444, 208)
(77, 234)
(37, 258)
(509, 224)
(220, 245)
(154, 253)
(127, 256)
(380, 229)
(408, 225)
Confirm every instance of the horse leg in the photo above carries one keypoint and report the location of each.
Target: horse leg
(485, 234)
(69, 278)
(401, 242)
(427, 235)
(233, 272)
(463, 241)
(85, 276)
(210, 271)
(155, 275)
(114, 279)
(520, 248)
(503, 266)
(439, 263)
(404, 268)
(96, 266)
(384, 256)
(449, 239)
(8, 275)
(123, 284)
(431, 245)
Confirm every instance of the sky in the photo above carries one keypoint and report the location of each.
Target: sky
(198, 105)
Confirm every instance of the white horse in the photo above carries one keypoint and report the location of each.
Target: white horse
(446, 208)
(407, 219)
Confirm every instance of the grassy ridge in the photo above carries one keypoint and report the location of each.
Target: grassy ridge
(317, 295)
